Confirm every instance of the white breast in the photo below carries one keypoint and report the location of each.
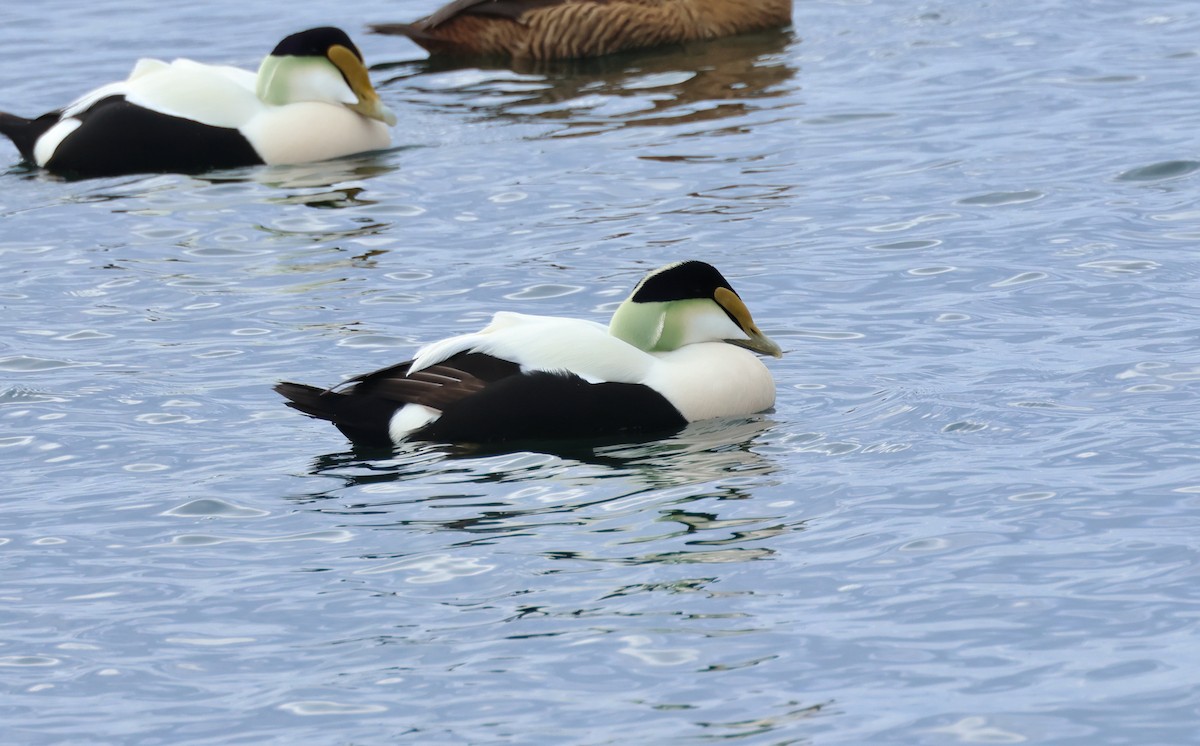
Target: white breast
(713, 379)
(311, 131)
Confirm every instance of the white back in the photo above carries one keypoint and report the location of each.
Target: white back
(548, 343)
(216, 95)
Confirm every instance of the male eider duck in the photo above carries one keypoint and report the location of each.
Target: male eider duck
(565, 29)
(677, 350)
(311, 100)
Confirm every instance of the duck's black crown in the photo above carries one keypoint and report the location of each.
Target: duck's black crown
(682, 281)
(314, 42)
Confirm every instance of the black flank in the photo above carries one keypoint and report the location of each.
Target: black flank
(484, 399)
(552, 406)
(117, 137)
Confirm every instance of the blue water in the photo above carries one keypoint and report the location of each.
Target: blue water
(971, 517)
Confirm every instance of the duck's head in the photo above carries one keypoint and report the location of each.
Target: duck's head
(685, 303)
(320, 64)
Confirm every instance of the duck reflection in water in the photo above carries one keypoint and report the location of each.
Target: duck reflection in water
(701, 452)
(672, 487)
(697, 82)
(331, 184)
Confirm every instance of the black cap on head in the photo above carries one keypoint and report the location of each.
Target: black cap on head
(314, 42)
(681, 281)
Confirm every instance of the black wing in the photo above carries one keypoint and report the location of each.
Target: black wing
(362, 407)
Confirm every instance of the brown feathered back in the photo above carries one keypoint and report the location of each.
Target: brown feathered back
(565, 29)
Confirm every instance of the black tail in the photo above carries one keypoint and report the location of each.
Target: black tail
(24, 133)
(361, 419)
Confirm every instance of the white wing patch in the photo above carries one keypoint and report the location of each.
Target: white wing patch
(216, 95)
(44, 149)
(410, 418)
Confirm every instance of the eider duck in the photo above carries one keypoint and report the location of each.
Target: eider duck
(677, 350)
(310, 100)
(534, 30)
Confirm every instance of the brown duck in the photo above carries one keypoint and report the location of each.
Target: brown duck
(564, 29)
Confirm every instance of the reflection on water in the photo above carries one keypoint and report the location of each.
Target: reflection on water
(971, 517)
(644, 494)
(326, 173)
(333, 199)
(339, 182)
(692, 83)
(702, 452)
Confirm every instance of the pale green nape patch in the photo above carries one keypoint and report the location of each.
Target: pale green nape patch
(639, 324)
(270, 86)
(658, 327)
(683, 318)
(284, 80)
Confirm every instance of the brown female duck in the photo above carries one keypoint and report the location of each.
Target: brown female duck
(564, 29)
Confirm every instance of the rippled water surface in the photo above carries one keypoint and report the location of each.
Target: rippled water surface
(972, 516)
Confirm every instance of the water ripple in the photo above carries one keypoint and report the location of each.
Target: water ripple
(1160, 171)
(970, 516)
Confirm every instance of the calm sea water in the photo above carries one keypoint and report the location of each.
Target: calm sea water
(971, 518)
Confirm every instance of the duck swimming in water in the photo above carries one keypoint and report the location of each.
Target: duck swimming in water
(677, 350)
(565, 29)
(311, 100)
